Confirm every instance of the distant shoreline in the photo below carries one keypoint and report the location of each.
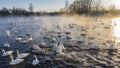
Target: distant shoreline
(72, 14)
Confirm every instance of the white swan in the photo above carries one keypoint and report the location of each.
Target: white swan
(53, 39)
(36, 61)
(18, 38)
(24, 41)
(6, 53)
(15, 32)
(6, 45)
(111, 47)
(22, 55)
(43, 43)
(94, 47)
(30, 39)
(48, 58)
(35, 47)
(61, 46)
(16, 61)
(8, 33)
(55, 48)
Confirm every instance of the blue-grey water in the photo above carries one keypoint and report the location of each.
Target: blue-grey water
(73, 57)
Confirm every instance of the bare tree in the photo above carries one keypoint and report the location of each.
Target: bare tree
(81, 6)
(66, 6)
(97, 5)
(112, 7)
(31, 7)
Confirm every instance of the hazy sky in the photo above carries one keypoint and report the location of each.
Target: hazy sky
(108, 2)
(38, 4)
(50, 5)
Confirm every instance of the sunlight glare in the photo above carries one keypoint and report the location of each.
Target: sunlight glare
(116, 27)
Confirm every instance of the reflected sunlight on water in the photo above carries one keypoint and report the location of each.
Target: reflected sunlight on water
(116, 28)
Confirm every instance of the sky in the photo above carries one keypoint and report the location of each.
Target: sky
(117, 2)
(51, 5)
(109, 2)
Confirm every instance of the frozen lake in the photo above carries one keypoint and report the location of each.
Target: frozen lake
(93, 31)
(38, 26)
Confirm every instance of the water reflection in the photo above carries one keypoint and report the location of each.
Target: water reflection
(116, 29)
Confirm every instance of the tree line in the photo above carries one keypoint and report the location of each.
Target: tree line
(16, 11)
(78, 6)
(92, 7)
(23, 12)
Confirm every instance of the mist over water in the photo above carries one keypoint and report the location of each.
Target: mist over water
(36, 25)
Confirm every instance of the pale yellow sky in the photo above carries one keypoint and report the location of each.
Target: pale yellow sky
(115, 2)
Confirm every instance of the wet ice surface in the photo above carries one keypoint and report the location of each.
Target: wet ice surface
(41, 28)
